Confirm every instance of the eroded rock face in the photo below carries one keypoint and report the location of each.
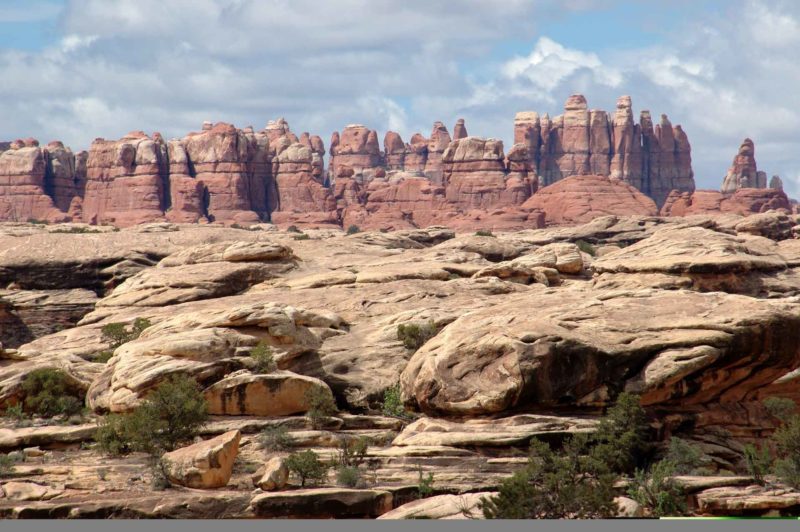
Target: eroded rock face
(743, 172)
(279, 393)
(579, 199)
(578, 347)
(744, 201)
(26, 176)
(203, 465)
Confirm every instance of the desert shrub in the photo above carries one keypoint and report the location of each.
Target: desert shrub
(50, 392)
(321, 405)
(75, 230)
(424, 484)
(103, 356)
(621, 437)
(307, 467)
(15, 413)
(586, 247)
(392, 404)
(780, 407)
(787, 443)
(352, 451)
(353, 229)
(483, 232)
(414, 335)
(35, 221)
(262, 356)
(117, 334)
(302, 236)
(569, 484)
(348, 476)
(758, 462)
(684, 457)
(159, 480)
(657, 492)
(172, 414)
(6, 464)
(276, 439)
(293, 229)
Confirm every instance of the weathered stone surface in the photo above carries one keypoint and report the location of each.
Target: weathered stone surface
(323, 503)
(355, 153)
(579, 199)
(280, 393)
(465, 506)
(273, 476)
(579, 345)
(752, 500)
(743, 172)
(24, 179)
(28, 491)
(744, 201)
(29, 314)
(203, 465)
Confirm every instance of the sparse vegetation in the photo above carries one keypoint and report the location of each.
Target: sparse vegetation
(586, 247)
(392, 405)
(263, 358)
(302, 236)
(276, 439)
(171, 415)
(483, 232)
(103, 356)
(758, 462)
(352, 451)
(621, 437)
(50, 392)
(307, 467)
(657, 492)
(75, 230)
(780, 407)
(321, 406)
(293, 229)
(117, 334)
(353, 229)
(414, 335)
(35, 221)
(684, 457)
(349, 477)
(6, 465)
(571, 484)
(16, 413)
(424, 484)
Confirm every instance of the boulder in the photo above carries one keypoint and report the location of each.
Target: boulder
(204, 465)
(464, 506)
(280, 393)
(273, 476)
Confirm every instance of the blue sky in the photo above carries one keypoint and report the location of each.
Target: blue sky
(77, 69)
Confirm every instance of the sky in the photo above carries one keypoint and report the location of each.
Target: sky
(73, 70)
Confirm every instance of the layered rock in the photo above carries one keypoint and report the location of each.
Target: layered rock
(204, 465)
(30, 181)
(743, 172)
(301, 195)
(437, 144)
(356, 153)
(744, 201)
(579, 199)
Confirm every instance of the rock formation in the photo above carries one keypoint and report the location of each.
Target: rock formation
(743, 172)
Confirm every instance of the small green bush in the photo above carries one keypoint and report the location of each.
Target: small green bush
(414, 335)
(349, 477)
(16, 413)
(302, 236)
(353, 229)
(263, 358)
(6, 465)
(392, 405)
(171, 415)
(103, 356)
(483, 232)
(321, 405)
(276, 439)
(75, 230)
(657, 492)
(586, 247)
(684, 457)
(293, 229)
(780, 407)
(424, 484)
(117, 334)
(758, 462)
(568, 484)
(50, 393)
(621, 439)
(307, 467)
(352, 451)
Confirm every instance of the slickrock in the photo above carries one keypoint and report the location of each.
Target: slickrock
(280, 393)
(203, 465)
(579, 199)
(465, 506)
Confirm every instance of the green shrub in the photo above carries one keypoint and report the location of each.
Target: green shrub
(424, 484)
(6, 465)
(293, 229)
(321, 405)
(621, 439)
(780, 407)
(758, 462)
(302, 236)
(307, 466)
(570, 484)
(117, 334)
(684, 457)
(75, 230)
(483, 232)
(353, 229)
(787, 443)
(171, 415)
(276, 438)
(262, 356)
(159, 480)
(392, 405)
(51, 392)
(16, 413)
(414, 335)
(34, 221)
(657, 492)
(352, 451)
(586, 247)
(348, 477)
(103, 356)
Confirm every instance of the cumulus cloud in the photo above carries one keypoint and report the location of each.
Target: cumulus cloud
(167, 66)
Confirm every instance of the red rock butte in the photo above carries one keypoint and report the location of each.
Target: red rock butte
(242, 176)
